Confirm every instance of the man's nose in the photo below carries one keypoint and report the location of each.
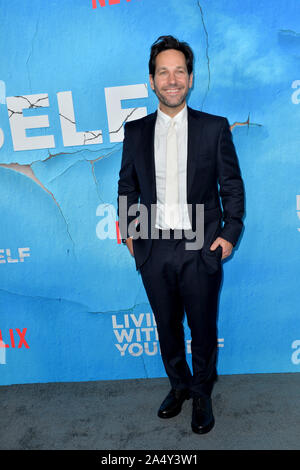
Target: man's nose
(172, 78)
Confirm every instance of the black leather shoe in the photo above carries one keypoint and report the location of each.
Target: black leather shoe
(202, 418)
(171, 406)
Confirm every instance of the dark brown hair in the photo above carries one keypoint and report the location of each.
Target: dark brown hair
(164, 43)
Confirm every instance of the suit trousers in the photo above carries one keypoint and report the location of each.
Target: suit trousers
(179, 281)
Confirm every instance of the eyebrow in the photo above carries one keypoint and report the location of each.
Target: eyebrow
(163, 67)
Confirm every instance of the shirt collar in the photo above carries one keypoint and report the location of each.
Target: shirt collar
(179, 119)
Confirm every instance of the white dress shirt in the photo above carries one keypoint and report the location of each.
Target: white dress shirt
(163, 122)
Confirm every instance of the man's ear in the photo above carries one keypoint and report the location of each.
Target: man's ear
(151, 79)
(191, 77)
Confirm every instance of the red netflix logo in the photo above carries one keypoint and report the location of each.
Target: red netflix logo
(103, 2)
(22, 341)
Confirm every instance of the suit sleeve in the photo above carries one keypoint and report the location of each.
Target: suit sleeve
(231, 187)
(127, 185)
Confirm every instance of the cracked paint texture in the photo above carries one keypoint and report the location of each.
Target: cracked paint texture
(73, 286)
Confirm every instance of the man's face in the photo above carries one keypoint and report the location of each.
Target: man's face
(171, 82)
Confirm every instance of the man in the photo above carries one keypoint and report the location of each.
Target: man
(175, 159)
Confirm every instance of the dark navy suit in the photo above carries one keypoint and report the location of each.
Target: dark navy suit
(179, 280)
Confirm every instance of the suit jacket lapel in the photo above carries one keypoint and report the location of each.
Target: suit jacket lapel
(195, 130)
(148, 137)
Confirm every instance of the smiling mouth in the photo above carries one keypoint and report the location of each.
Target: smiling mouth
(172, 91)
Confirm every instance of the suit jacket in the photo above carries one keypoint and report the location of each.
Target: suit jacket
(213, 177)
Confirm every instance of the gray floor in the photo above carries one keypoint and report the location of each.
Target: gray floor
(260, 411)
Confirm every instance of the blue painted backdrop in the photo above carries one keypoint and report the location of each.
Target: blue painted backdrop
(72, 306)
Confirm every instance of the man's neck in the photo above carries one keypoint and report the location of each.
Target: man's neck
(171, 111)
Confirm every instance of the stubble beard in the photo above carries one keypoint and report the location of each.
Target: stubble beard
(170, 104)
